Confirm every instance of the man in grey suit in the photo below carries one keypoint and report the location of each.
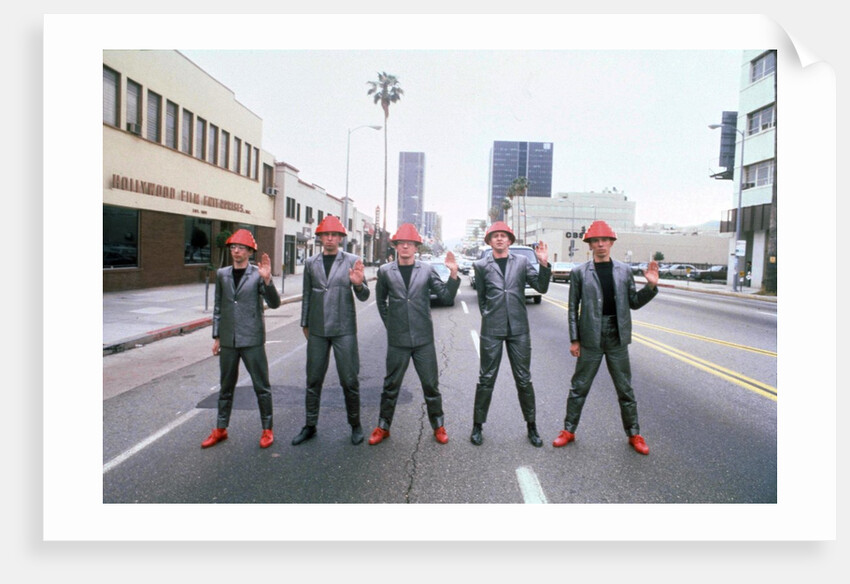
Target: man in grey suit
(500, 280)
(602, 296)
(329, 320)
(403, 294)
(239, 332)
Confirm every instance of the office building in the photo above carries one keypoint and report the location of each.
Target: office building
(510, 160)
(411, 188)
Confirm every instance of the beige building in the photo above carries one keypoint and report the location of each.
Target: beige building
(303, 206)
(182, 163)
(560, 221)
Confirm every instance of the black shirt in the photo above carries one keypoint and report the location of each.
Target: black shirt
(503, 263)
(237, 275)
(605, 270)
(405, 274)
(329, 262)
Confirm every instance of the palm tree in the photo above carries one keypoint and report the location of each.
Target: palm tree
(520, 187)
(386, 91)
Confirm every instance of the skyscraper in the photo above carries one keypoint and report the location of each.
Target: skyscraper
(510, 160)
(411, 188)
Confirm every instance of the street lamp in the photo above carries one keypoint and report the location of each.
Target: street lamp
(740, 194)
(347, 161)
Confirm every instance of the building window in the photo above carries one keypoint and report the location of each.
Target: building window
(759, 174)
(186, 144)
(290, 208)
(247, 167)
(224, 154)
(256, 169)
(134, 107)
(320, 215)
(171, 113)
(120, 237)
(213, 144)
(198, 240)
(200, 138)
(763, 66)
(110, 96)
(268, 179)
(154, 133)
(762, 120)
(308, 215)
(237, 155)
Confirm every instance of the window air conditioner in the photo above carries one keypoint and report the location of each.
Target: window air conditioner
(271, 191)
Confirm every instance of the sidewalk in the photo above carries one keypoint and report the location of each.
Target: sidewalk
(134, 318)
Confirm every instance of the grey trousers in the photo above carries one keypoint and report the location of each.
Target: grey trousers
(617, 360)
(425, 363)
(519, 355)
(346, 355)
(257, 365)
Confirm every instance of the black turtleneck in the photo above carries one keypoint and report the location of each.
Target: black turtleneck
(605, 270)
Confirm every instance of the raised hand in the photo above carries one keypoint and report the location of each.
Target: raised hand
(542, 253)
(451, 264)
(357, 274)
(265, 268)
(651, 273)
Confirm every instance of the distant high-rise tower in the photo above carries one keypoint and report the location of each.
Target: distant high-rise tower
(411, 187)
(510, 160)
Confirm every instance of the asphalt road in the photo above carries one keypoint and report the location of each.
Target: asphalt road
(704, 369)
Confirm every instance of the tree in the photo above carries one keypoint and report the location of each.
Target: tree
(386, 91)
(658, 256)
(220, 242)
(519, 186)
(494, 213)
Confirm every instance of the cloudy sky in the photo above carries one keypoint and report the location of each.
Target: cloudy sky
(631, 119)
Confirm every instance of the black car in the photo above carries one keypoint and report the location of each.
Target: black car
(444, 273)
(713, 273)
(529, 253)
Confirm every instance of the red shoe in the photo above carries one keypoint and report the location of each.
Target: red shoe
(639, 444)
(378, 435)
(267, 438)
(563, 439)
(217, 435)
(441, 435)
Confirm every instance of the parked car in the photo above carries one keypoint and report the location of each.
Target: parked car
(464, 265)
(638, 268)
(518, 250)
(718, 273)
(444, 273)
(561, 271)
(678, 271)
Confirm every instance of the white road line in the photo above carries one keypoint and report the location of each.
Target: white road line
(767, 313)
(149, 440)
(475, 340)
(465, 307)
(532, 492)
(184, 418)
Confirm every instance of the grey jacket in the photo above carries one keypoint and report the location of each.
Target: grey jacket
(501, 299)
(585, 310)
(327, 304)
(238, 312)
(406, 310)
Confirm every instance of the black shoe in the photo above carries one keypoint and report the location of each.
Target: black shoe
(306, 433)
(356, 434)
(476, 437)
(533, 436)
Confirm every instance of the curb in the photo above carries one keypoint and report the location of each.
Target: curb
(169, 331)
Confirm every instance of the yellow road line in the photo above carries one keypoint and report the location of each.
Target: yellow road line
(709, 339)
(737, 378)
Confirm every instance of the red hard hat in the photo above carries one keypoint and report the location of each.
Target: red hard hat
(499, 226)
(407, 232)
(330, 224)
(242, 237)
(599, 229)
